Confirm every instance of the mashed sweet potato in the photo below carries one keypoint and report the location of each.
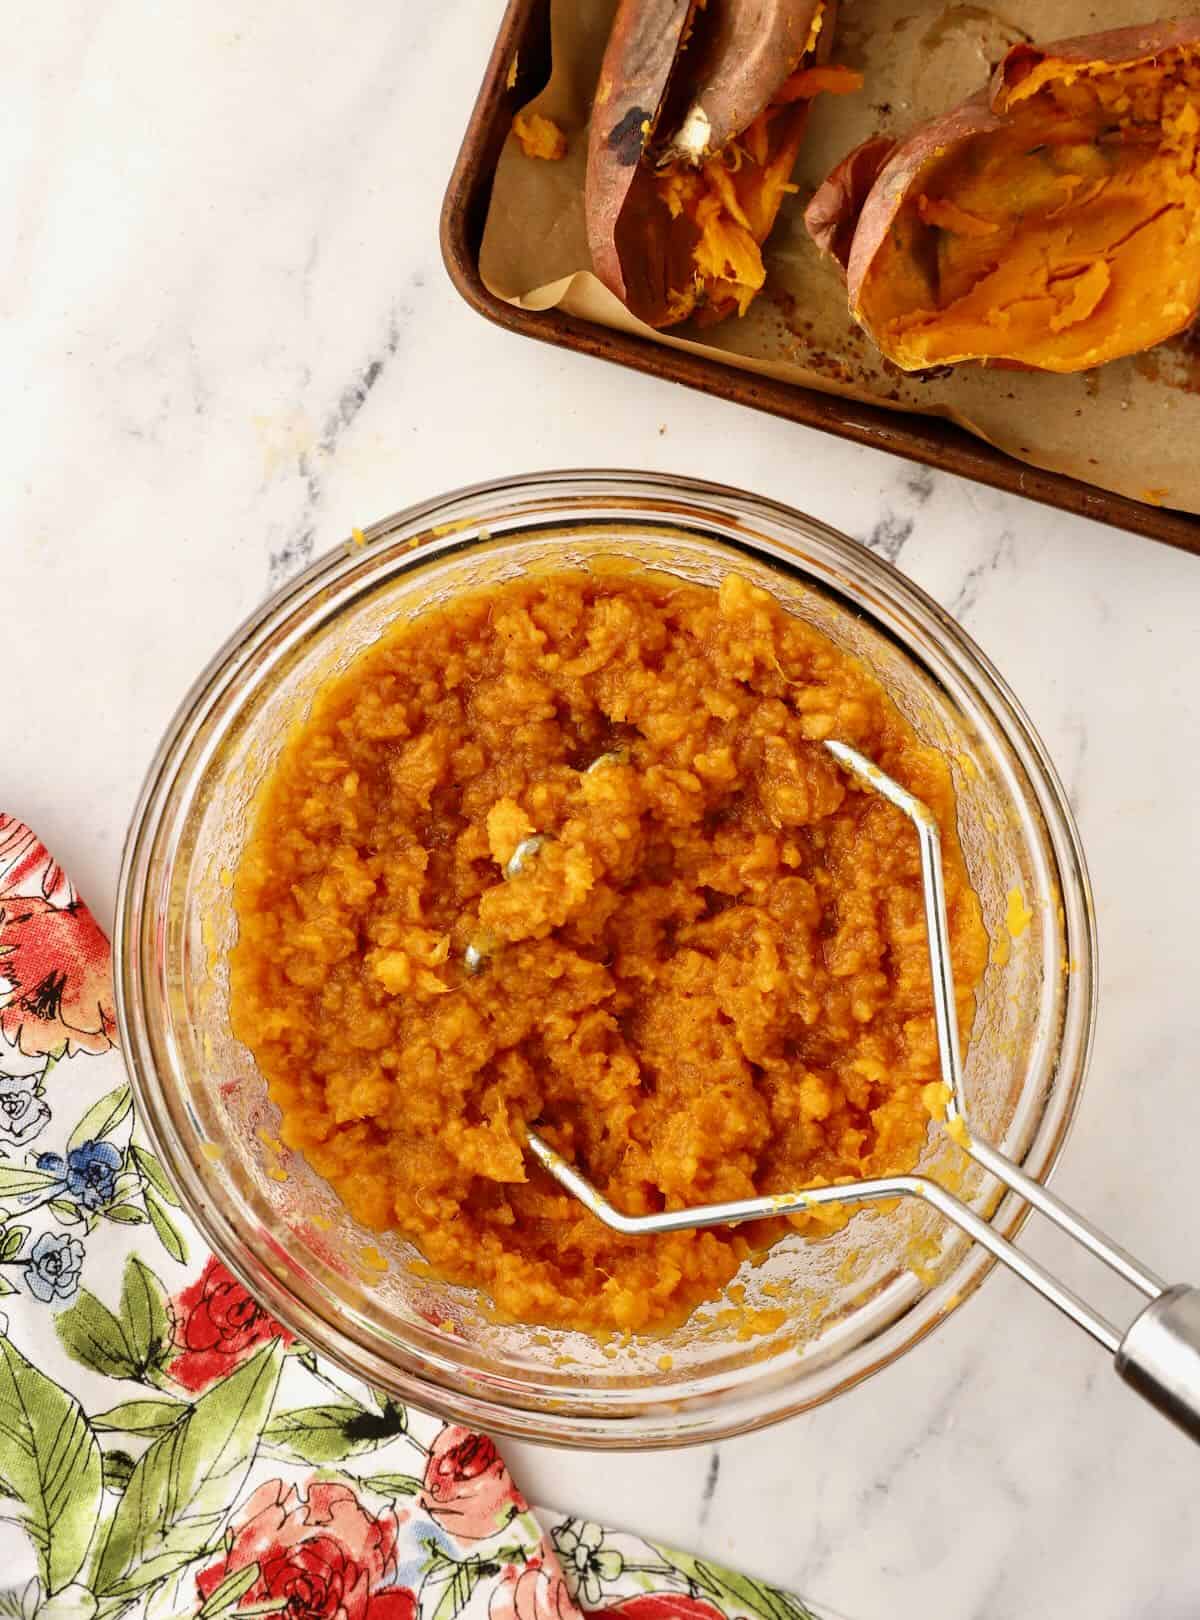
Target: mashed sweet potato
(709, 981)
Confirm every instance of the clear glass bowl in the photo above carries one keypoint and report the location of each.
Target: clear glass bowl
(852, 1301)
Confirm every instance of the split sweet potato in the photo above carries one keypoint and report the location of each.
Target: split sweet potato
(1051, 221)
(697, 119)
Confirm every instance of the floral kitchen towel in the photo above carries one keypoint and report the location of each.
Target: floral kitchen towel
(167, 1450)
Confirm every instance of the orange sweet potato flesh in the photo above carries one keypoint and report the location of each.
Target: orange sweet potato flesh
(691, 148)
(1052, 221)
(732, 200)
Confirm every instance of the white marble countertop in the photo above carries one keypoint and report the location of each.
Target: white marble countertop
(227, 336)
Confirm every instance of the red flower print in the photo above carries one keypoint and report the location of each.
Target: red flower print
(217, 1325)
(533, 1593)
(467, 1488)
(55, 979)
(26, 868)
(322, 1556)
(664, 1606)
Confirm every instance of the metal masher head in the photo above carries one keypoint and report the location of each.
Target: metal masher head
(945, 1016)
(1159, 1355)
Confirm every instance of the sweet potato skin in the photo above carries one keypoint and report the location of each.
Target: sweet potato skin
(717, 67)
(832, 215)
(638, 63)
(901, 172)
(1117, 46)
(849, 219)
(753, 47)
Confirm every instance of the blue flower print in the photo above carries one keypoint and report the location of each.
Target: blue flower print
(52, 1271)
(23, 1111)
(89, 1172)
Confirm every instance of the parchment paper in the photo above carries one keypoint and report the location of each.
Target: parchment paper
(1132, 426)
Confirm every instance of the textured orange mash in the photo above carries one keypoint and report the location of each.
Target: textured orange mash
(711, 981)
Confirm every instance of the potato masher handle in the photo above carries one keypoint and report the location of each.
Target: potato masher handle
(1160, 1356)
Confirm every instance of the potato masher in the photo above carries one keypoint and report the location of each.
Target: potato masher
(1159, 1354)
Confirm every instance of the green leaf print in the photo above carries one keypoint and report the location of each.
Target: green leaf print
(154, 1173)
(139, 1417)
(11, 1240)
(102, 1118)
(393, 1484)
(144, 1316)
(131, 1345)
(118, 1466)
(50, 1462)
(333, 1432)
(18, 1183)
(458, 1580)
(226, 1595)
(730, 1590)
(125, 1215)
(187, 1481)
(168, 1235)
(94, 1337)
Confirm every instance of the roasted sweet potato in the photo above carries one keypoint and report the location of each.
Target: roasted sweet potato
(833, 214)
(698, 116)
(1051, 221)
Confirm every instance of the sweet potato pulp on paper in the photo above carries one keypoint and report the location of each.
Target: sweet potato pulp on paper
(732, 200)
(1064, 233)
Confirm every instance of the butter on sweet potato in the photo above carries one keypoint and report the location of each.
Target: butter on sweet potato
(1052, 220)
(697, 119)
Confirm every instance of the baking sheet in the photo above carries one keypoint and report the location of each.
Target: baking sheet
(1127, 427)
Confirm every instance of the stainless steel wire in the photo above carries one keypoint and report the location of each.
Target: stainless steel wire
(757, 1209)
(919, 1186)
